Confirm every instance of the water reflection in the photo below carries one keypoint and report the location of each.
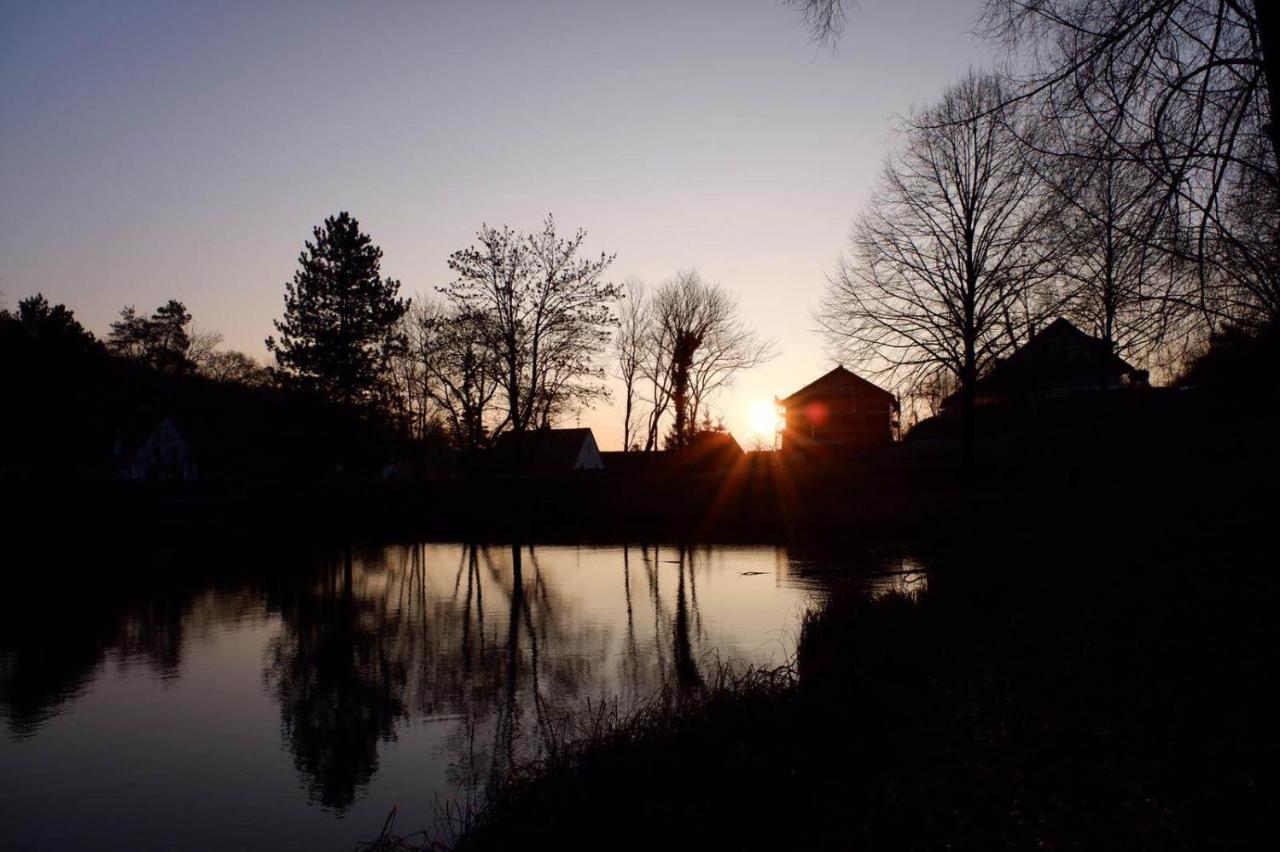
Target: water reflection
(55, 641)
(486, 645)
(340, 682)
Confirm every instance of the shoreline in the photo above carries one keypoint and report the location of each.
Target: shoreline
(1029, 485)
(990, 710)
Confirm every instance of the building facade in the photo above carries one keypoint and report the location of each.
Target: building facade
(837, 413)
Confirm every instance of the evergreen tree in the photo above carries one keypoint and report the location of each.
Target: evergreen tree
(162, 340)
(53, 325)
(339, 331)
(169, 340)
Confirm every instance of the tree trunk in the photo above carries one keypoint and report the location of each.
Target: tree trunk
(626, 418)
(968, 392)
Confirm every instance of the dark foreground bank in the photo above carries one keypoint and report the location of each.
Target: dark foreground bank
(1088, 699)
(1091, 667)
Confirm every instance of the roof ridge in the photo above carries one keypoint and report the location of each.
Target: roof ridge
(837, 371)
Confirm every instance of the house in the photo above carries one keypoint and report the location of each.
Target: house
(1059, 361)
(544, 451)
(837, 413)
(218, 432)
(165, 453)
(633, 461)
(709, 451)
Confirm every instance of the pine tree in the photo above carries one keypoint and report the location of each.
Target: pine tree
(339, 331)
(170, 339)
(162, 340)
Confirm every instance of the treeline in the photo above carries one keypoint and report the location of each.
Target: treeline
(80, 408)
(1122, 173)
(518, 340)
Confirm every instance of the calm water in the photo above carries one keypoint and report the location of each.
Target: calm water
(289, 703)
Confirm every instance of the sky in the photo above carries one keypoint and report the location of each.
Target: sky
(157, 150)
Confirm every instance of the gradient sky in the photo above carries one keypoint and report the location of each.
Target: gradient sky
(185, 150)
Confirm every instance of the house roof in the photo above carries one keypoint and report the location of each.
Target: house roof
(544, 450)
(838, 382)
(707, 452)
(1059, 353)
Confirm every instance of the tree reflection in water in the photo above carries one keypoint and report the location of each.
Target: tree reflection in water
(496, 642)
(340, 683)
(56, 636)
(379, 638)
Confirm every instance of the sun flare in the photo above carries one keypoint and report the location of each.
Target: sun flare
(764, 418)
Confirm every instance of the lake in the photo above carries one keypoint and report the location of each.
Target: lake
(223, 700)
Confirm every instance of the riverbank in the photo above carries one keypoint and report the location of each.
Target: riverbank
(1069, 700)
(1098, 472)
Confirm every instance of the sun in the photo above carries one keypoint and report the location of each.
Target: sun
(764, 418)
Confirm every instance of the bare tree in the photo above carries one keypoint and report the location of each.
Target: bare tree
(655, 369)
(233, 366)
(825, 18)
(1122, 263)
(450, 379)
(546, 317)
(1185, 89)
(947, 255)
(932, 391)
(700, 343)
(202, 345)
(629, 344)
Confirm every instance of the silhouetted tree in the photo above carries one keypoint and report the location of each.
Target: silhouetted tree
(340, 326)
(1185, 89)
(233, 366)
(161, 340)
(128, 334)
(825, 18)
(202, 348)
(168, 342)
(449, 374)
(947, 254)
(701, 343)
(544, 315)
(1121, 279)
(629, 343)
(52, 326)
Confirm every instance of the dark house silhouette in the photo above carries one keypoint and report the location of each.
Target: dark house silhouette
(632, 461)
(1059, 361)
(222, 433)
(837, 413)
(709, 451)
(164, 454)
(544, 451)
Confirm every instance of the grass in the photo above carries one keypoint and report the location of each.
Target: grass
(578, 744)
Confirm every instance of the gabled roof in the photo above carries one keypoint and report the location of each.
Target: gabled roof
(835, 383)
(708, 452)
(1059, 353)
